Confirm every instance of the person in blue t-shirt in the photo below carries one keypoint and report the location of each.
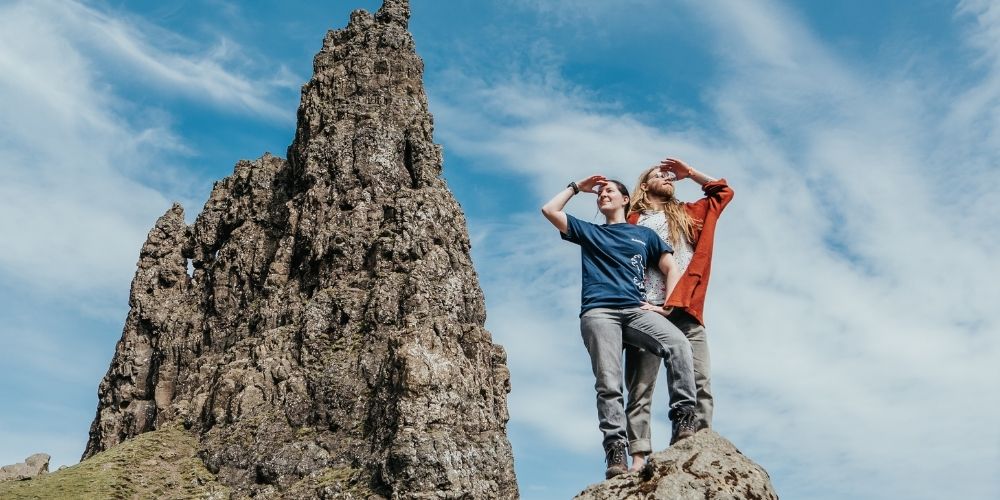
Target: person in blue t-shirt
(613, 311)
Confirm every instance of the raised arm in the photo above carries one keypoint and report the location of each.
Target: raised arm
(553, 210)
(717, 192)
(682, 170)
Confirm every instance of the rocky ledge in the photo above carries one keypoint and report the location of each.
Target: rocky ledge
(704, 467)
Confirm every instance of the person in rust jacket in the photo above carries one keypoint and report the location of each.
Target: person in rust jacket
(690, 229)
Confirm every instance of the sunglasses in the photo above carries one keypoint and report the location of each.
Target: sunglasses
(659, 174)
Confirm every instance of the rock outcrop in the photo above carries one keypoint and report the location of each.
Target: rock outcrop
(329, 340)
(703, 467)
(31, 468)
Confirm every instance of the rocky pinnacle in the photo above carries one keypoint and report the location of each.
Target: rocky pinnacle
(320, 325)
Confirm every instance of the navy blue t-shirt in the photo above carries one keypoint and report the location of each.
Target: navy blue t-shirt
(614, 258)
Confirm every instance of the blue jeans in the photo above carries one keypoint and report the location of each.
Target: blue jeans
(604, 332)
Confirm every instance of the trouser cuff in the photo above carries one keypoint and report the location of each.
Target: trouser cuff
(639, 446)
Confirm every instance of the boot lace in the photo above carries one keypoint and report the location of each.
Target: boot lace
(615, 454)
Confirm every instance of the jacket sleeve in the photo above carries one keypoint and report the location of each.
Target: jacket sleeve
(718, 194)
(690, 291)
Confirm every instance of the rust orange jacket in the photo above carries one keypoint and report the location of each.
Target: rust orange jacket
(689, 293)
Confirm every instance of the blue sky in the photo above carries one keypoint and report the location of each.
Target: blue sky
(852, 313)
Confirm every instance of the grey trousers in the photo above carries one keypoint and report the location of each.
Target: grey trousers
(641, 368)
(604, 332)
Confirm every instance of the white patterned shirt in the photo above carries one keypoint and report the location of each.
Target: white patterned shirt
(655, 287)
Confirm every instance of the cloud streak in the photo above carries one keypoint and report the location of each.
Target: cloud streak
(78, 191)
(168, 62)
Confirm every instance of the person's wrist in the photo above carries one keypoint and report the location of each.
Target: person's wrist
(700, 177)
(574, 186)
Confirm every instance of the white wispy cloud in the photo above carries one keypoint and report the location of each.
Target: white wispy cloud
(852, 303)
(170, 63)
(76, 201)
(87, 164)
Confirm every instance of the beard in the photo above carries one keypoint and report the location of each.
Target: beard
(664, 191)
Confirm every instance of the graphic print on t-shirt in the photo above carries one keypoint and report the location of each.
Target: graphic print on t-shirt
(614, 259)
(639, 279)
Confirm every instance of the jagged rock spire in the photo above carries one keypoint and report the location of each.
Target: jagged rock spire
(394, 11)
(329, 341)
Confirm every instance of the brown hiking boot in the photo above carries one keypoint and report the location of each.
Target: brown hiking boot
(685, 424)
(615, 456)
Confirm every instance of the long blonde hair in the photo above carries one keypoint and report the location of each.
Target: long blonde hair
(680, 221)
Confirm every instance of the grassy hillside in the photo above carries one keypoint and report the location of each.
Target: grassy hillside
(160, 464)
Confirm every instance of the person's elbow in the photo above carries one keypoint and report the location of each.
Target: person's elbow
(556, 217)
(667, 264)
(550, 213)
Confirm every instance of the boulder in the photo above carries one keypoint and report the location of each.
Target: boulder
(703, 467)
(31, 468)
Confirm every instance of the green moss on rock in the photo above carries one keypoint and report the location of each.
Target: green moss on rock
(162, 464)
